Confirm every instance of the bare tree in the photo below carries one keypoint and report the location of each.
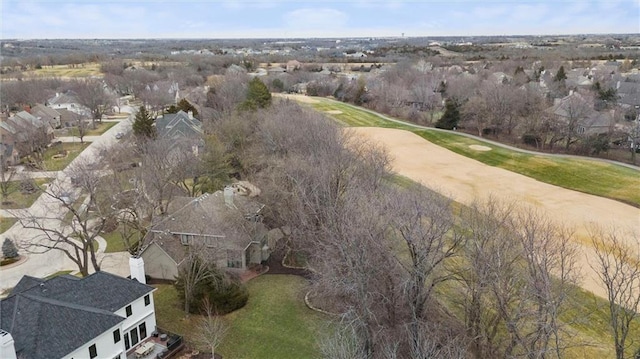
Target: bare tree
(92, 94)
(75, 232)
(424, 221)
(6, 180)
(211, 329)
(617, 268)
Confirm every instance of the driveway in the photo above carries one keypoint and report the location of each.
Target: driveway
(43, 264)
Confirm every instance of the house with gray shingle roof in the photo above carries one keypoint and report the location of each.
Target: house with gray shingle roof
(99, 316)
(68, 101)
(224, 226)
(181, 129)
(47, 115)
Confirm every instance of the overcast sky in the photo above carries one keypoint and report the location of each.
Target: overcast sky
(289, 19)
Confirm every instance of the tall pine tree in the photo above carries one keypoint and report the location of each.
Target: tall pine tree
(258, 96)
(143, 125)
(451, 116)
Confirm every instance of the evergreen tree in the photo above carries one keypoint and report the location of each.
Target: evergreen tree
(143, 124)
(561, 75)
(9, 249)
(183, 105)
(258, 95)
(451, 116)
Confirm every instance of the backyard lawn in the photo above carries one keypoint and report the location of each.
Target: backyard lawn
(275, 323)
(584, 175)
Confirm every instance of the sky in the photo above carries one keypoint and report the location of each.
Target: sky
(124, 19)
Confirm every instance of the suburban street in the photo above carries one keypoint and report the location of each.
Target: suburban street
(43, 264)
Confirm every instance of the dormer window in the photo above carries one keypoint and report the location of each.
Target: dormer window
(128, 311)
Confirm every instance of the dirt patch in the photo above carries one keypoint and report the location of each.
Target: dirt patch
(466, 180)
(480, 148)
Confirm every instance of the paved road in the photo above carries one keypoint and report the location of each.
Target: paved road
(43, 264)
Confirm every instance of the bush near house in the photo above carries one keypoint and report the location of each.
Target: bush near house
(224, 291)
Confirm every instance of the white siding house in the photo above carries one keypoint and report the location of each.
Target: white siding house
(99, 316)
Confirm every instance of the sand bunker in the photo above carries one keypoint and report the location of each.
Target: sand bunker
(466, 180)
(334, 112)
(479, 148)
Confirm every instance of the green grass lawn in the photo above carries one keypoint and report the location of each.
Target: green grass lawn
(583, 175)
(275, 323)
(17, 199)
(58, 164)
(114, 241)
(101, 127)
(6, 223)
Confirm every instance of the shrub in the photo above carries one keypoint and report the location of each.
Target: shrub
(9, 249)
(224, 291)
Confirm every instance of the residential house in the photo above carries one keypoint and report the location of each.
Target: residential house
(47, 114)
(574, 108)
(628, 94)
(578, 78)
(68, 101)
(225, 226)
(70, 118)
(182, 129)
(25, 133)
(99, 316)
(26, 121)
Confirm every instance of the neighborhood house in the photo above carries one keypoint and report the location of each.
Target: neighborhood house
(99, 316)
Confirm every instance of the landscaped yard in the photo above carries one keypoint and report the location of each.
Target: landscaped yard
(275, 323)
(17, 199)
(72, 151)
(583, 175)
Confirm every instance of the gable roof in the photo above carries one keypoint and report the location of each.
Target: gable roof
(45, 328)
(51, 318)
(179, 125)
(89, 291)
(206, 216)
(25, 117)
(63, 98)
(44, 111)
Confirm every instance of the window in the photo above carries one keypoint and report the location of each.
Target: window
(147, 300)
(93, 352)
(186, 239)
(127, 345)
(134, 336)
(143, 330)
(116, 336)
(128, 310)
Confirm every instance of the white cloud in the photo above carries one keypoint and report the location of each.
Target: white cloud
(312, 18)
